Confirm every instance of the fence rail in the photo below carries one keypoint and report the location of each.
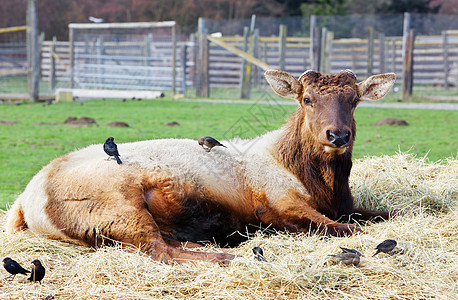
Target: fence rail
(435, 58)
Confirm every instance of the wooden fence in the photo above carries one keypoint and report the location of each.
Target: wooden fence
(435, 58)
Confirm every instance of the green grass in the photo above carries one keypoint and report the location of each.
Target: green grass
(18, 84)
(28, 144)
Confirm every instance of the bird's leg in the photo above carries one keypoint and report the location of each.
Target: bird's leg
(12, 275)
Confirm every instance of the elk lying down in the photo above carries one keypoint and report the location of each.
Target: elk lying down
(169, 191)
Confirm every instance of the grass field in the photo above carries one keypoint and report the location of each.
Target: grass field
(35, 133)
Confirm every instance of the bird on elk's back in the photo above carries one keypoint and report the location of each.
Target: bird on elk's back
(385, 246)
(111, 149)
(38, 271)
(207, 142)
(13, 267)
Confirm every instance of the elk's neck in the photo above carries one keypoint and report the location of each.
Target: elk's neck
(324, 176)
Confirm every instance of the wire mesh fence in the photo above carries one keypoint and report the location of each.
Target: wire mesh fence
(13, 60)
(366, 44)
(138, 56)
(343, 26)
(145, 59)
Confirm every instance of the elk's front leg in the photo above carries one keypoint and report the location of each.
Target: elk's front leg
(294, 214)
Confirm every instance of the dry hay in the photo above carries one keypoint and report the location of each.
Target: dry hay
(424, 265)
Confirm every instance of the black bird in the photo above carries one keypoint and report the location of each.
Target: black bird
(13, 267)
(38, 271)
(259, 254)
(347, 258)
(111, 149)
(207, 142)
(348, 250)
(385, 246)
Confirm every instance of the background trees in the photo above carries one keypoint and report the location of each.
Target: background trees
(54, 16)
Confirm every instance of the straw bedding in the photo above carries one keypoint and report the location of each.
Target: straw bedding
(424, 265)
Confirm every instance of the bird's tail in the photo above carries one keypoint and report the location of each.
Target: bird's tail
(118, 160)
(378, 251)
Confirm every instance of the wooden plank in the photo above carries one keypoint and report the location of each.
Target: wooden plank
(370, 52)
(33, 50)
(243, 69)
(13, 29)
(121, 25)
(174, 60)
(205, 66)
(112, 94)
(282, 46)
(316, 49)
(445, 59)
(199, 56)
(52, 68)
(381, 50)
(407, 72)
(240, 53)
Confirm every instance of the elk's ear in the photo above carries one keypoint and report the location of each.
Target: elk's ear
(284, 84)
(375, 87)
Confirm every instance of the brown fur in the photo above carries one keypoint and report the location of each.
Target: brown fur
(300, 150)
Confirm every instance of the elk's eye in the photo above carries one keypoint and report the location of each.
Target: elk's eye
(354, 102)
(307, 101)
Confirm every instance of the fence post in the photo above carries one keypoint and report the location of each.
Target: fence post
(248, 47)
(147, 54)
(183, 58)
(72, 56)
(456, 74)
(446, 62)
(326, 50)
(199, 59)
(405, 30)
(312, 33)
(407, 70)
(147, 49)
(256, 55)
(33, 59)
(282, 46)
(315, 44)
(243, 70)
(353, 59)
(205, 66)
(393, 56)
(370, 52)
(381, 48)
(192, 71)
(174, 60)
(52, 67)
(100, 45)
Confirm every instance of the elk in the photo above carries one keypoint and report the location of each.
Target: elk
(170, 191)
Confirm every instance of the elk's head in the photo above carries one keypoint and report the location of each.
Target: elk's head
(329, 101)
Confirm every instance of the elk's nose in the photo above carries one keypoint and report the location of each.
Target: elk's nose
(337, 139)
